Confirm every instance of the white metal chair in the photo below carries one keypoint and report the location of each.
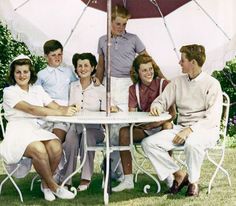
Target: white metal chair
(5, 166)
(220, 146)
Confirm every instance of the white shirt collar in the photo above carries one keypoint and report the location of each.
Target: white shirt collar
(78, 84)
(21, 90)
(198, 78)
(51, 69)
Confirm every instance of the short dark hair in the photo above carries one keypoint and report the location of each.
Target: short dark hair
(194, 51)
(89, 56)
(142, 59)
(51, 45)
(20, 62)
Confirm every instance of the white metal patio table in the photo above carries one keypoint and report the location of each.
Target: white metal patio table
(86, 117)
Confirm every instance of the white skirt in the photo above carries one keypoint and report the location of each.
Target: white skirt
(19, 134)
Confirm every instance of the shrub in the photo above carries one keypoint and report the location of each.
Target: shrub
(10, 48)
(227, 79)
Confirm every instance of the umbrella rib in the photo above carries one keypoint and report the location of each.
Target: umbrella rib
(124, 3)
(76, 23)
(166, 27)
(21, 5)
(209, 16)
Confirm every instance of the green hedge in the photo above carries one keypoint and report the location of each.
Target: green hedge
(227, 79)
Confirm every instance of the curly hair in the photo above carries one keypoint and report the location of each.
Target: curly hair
(142, 59)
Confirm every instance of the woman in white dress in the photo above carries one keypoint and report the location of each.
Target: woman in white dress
(25, 136)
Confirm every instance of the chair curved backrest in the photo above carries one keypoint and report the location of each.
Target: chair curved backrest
(224, 117)
(221, 143)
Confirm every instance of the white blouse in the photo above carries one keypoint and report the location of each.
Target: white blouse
(93, 98)
(14, 94)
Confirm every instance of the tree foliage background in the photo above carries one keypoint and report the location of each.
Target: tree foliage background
(10, 48)
(227, 79)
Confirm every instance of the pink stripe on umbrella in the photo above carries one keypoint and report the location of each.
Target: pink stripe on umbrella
(141, 8)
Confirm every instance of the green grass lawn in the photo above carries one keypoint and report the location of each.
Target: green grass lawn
(221, 193)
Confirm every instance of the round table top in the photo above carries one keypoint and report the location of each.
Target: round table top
(113, 118)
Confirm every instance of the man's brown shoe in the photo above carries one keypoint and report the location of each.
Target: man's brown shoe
(176, 187)
(193, 190)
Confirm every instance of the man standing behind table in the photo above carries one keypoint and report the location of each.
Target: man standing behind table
(55, 80)
(124, 47)
(198, 98)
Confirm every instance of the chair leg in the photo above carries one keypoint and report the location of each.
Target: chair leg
(9, 176)
(218, 167)
(139, 171)
(117, 165)
(146, 187)
(32, 182)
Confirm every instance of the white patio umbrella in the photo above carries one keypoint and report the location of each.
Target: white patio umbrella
(78, 27)
(163, 9)
(207, 22)
(37, 21)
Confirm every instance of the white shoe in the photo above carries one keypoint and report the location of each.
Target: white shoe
(125, 185)
(82, 188)
(48, 195)
(63, 193)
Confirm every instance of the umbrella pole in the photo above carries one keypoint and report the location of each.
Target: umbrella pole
(107, 186)
(108, 60)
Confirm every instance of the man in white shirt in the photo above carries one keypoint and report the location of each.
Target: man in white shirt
(198, 98)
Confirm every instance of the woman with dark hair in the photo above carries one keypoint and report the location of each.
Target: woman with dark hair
(25, 136)
(88, 97)
(146, 87)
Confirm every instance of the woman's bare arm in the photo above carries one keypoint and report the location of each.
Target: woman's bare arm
(52, 108)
